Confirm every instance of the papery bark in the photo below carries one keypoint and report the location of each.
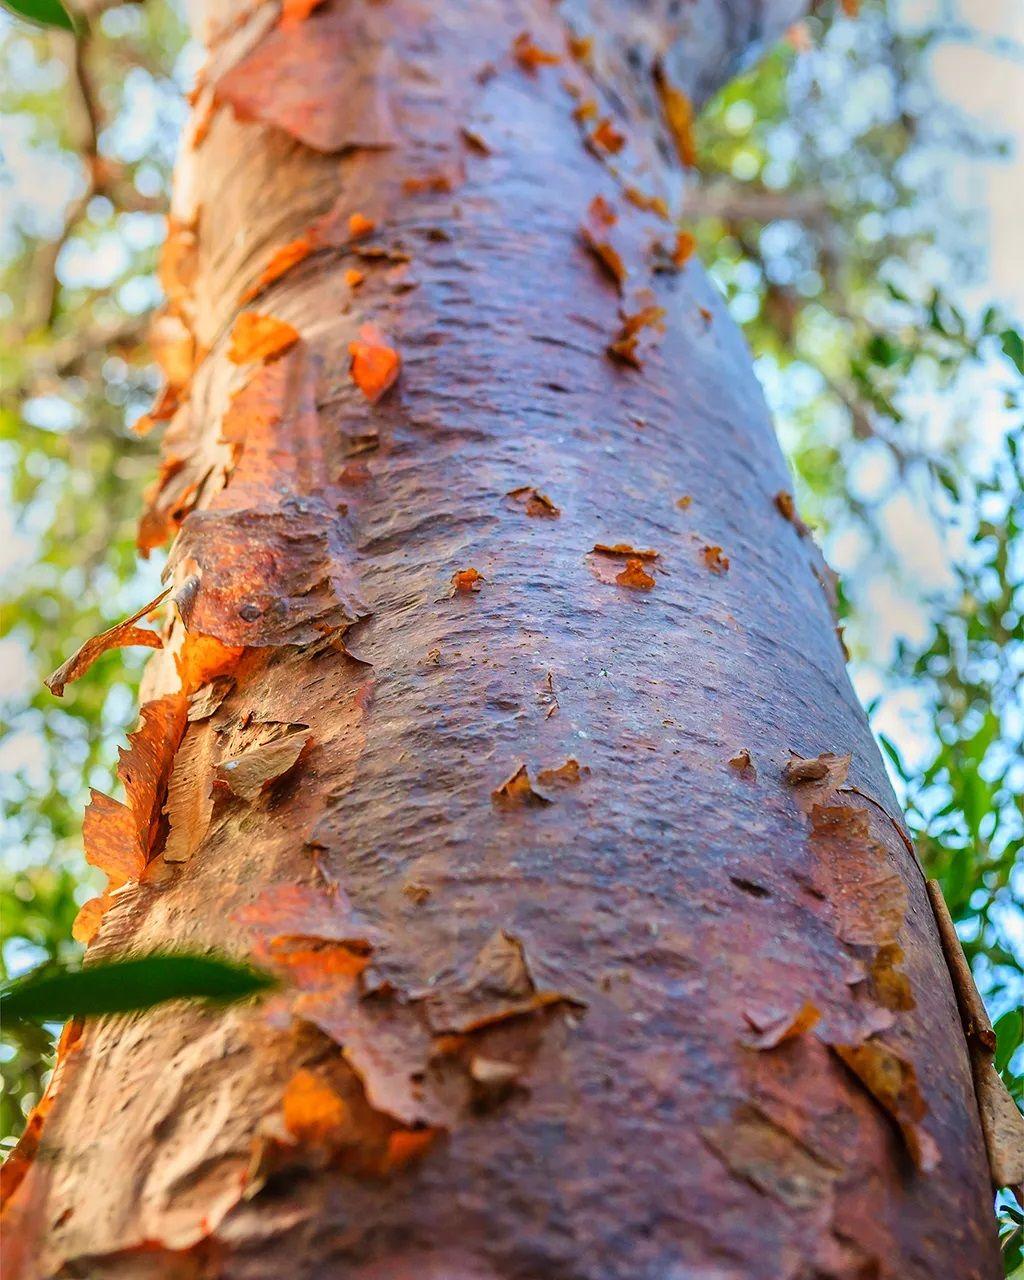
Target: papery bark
(580, 979)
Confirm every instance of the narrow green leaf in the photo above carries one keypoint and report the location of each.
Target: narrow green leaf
(1009, 1029)
(43, 13)
(1013, 348)
(125, 986)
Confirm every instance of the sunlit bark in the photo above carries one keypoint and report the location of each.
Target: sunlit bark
(520, 741)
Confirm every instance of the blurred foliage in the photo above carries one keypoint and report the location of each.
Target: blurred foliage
(89, 133)
(824, 210)
(826, 215)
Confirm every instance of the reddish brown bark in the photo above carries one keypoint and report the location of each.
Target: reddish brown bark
(520, 740)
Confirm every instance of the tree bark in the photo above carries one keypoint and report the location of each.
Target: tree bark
(604, 950)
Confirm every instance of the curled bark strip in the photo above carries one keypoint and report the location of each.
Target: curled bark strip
(974, 1015)
(119, 837)
(1001, 1122)
(123, 635)
(1001, 1119)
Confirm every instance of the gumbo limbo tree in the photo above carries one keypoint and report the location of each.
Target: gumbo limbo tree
(499, 711)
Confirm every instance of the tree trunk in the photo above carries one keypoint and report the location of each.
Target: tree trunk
(520, 742)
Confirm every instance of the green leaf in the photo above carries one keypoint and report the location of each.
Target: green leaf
(890, 749)
(1013, 348)
(44, 13)
(882, 350)
(1008, 1031)
(125, 986)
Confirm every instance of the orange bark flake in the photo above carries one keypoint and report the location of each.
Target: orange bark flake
(607, 138)
(599, 236)
(313, 1112)
(300, 912)
(203, 658)
(88, 919)
(465, 581)
(407, 1145)
(517, 792)
(178, 261)
(803, 769)
(375, 363)
(685, 248)
(629, 344)
(548, 697)
(476, 141)
(174, 349)
(353, 277)
(625, 549)
(649, 204)
(715, 559)
(359, 225)
(743, 763)
(294, 12)
(534, 502)
(892, 1082)
(773, 1031)
(122, 636)
(635, 576)
(530, 56)
(118, 837)
(568, 774)
(260, 337)
(436, 183)
(586, 110)
(282, 261)
(786, 507)
(678, 112)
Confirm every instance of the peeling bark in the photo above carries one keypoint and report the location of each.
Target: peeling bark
(574, 985)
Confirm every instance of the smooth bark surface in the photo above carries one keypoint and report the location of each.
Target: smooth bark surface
(583, 976)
